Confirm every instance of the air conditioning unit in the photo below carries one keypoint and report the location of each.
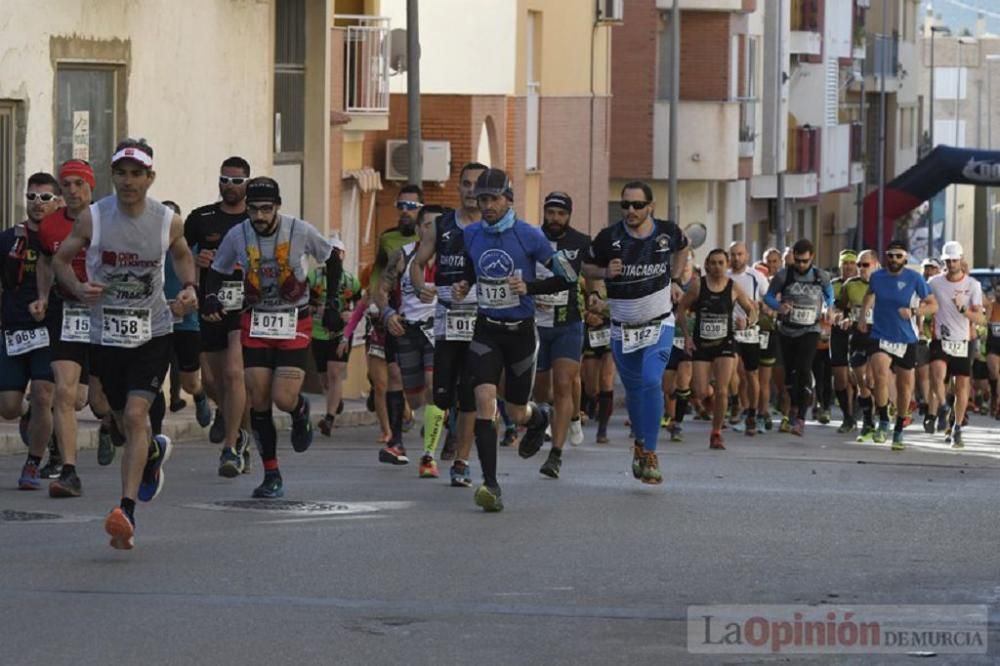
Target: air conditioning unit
(437, 160)
(610, 11)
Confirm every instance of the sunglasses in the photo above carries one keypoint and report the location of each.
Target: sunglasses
(232, 180)
(44, 197)
(634, 205)
(866, 264)
(409, 205)
(896, 255)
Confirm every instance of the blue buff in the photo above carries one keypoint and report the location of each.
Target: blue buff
(642, 374)
(501, 225)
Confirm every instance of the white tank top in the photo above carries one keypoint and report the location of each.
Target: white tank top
(411, 307)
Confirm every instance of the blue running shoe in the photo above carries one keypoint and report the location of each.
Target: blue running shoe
(271, 487)
(152, 476)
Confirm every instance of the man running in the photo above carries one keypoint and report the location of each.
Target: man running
(502, 256)
(679, 371)
(848, 317)
(805, 292)
(454, 319)
(598, 367)
(560, 331)
(24, 341)
(222, 357)
(840, 338)
(713, 347)
(747, 339)
(960, 307)
(925, 333)
(126, 236)
(896, 296)
(633, 256)
(275, 326)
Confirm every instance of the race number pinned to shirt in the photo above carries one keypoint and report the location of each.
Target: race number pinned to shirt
(747, 336)
(995, 329)
(956, 348)
(639, 336)
(497, 294)
(75, 324)
(459, 326)
(376, 351)
(802, 316)
(125, 327)
(274, 325)
(428, 330)
(551, 301)
(897, 349)
(22, 342)
(231, 295)
(599, 337)
(765, 339)
(713, 327)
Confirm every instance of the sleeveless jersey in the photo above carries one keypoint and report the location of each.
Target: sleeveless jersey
(126, 255)
(449, 250)
(563, 307)
(713, 315)
(411, 308)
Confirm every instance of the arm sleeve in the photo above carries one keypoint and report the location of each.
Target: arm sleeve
(771, 298)
(598, 252)
(827, 288)
(334, 271)
(551, 285)
(353, 323)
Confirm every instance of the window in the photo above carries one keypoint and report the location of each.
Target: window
(664, 57)
(945, 85)
(289, 80)
(532, 45)
(7, 161)
(906, 133)
(87, 106)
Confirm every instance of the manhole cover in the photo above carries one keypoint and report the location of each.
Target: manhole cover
(289, 507)
(9, 516)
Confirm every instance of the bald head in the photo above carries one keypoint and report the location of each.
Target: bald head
(738, 256)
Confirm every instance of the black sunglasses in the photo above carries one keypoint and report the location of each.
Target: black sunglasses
(408, 205)
(634, 205)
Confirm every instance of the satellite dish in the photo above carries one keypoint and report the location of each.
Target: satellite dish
(397, 50)
(696, 234)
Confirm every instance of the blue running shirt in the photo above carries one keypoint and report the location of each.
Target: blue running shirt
(904, 290)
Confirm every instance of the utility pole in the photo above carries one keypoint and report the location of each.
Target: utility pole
(675, 94)
(413, 141)
(779, 201)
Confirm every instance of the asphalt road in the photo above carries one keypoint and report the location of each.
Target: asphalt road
(591, 568)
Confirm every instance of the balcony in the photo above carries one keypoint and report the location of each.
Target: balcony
(708, 144)
(803, 149)
(710, 5)
(806, 36)
(748, 125)
(802, 177)
(882, 59)
(366, 70)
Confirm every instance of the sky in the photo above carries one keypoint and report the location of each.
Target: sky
(958, 14)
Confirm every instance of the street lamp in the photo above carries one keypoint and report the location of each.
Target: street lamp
(961, 41)
(992, 229)
(930, 215)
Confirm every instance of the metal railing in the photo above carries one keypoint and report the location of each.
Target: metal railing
(803, 149)
(366, 64)
(882, 56)
(748, 118)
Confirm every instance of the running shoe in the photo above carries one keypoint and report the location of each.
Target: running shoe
(217, 432)
(325, 425)
(488, 498)
(881, 433)
(786, 425)
(302, 430)
(30, 477)
(121, 530)
(651, 469)
(638, 459)
(552, 464)
(271, 487)
(450, 446)
(246, 457)
(177, 405)
(230, 463)
(929, 424)
(531, 442)
(152, 475)
(393, 455)
(665, 421)
(428, 468)
(715, 442)
(824, 416)
(867, 434)
(956, 438)
(798, 427)
(509, 435)
(768, 423)
(461, 474)
(575, 432)
(602, 436)
(409, 423)
(676, 433)
(847, 426)
(66, 486)
(105, 447)
(761, 425)
(739, 425)
(942, 419)
(53, 466)
(23, 424)
(202, 411)
(897, 441)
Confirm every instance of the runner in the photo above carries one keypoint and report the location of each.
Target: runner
(849, 305)
(502, 256)
(993, 352)
(747, 339)
(222, 356)
(840, 339)
(896, 295)
(412, 324)
(679, 371)
(713, 345)
(560, 331)
(960, 307)
(126, 236)
(925, 333)
(598, 367)
(805, 293)
(24, 353)
(633, 257)
(454, 321)
(275, 325)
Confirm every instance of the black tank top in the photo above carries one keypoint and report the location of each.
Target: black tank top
(713, 315)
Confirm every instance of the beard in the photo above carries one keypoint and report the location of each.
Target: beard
(554, 230)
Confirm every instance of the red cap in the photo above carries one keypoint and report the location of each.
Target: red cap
(78, 168)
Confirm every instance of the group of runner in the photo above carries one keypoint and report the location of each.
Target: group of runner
(471, 316)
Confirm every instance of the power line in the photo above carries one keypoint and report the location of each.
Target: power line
(965, 5)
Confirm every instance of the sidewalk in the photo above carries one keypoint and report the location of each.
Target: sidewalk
(181, 427)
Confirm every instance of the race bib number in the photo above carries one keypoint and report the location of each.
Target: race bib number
(897, 349)
(497, 295)
(428, 330)
(75, 325)
(802, 316)
(679, 343)
(550, 301)
(956, 348)
(995, 329)
(231, 295)
(377, 351)
(713, 328)
(856, 315)
(277, 325)
(125, 327)
(748, 336)
(599, 337)
(765, 339)
(639, 337)
(22, 342)
(459, 326)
